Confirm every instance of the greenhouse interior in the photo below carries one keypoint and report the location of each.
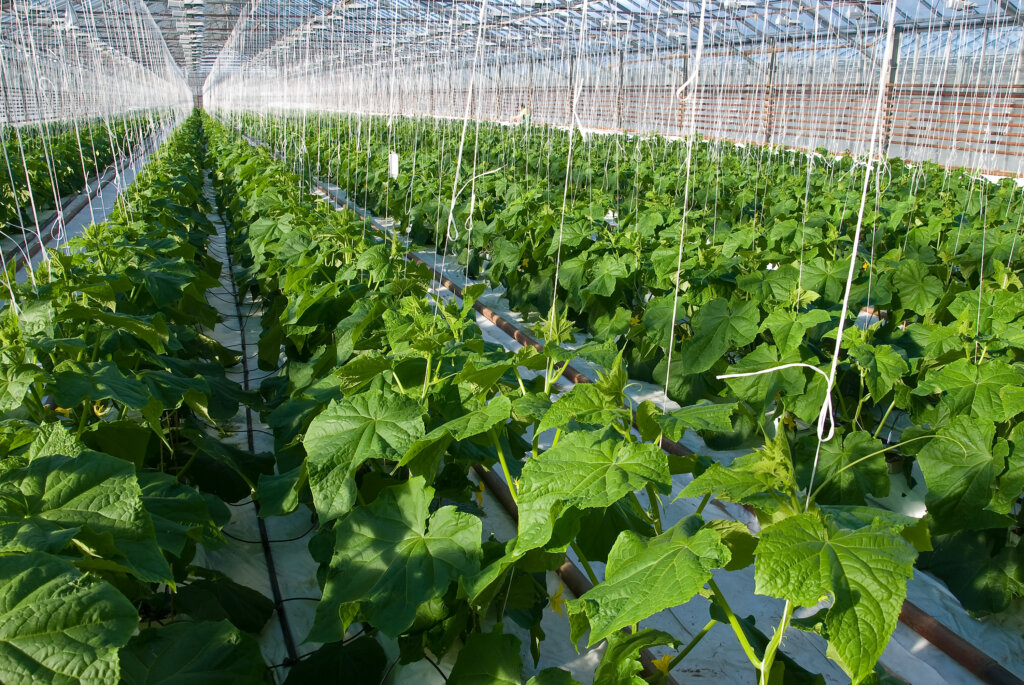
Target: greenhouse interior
(410, 342)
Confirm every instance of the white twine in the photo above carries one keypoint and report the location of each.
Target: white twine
(826, 412)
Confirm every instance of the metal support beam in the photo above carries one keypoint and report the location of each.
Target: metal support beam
(769, 104)
(618, 93)
(1020, 62)
(1013, 11)
(890, 91)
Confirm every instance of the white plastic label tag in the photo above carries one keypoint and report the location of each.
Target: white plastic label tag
(393, 164)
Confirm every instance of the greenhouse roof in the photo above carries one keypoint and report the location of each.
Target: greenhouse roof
(196, 31)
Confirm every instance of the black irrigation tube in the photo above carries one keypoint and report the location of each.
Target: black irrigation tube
(967, 655)
(268, 555)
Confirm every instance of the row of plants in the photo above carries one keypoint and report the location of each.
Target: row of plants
(113, 475)
(761, 240)
(385, 401)
(41, 166)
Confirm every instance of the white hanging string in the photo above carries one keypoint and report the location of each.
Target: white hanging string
(690, 135)
(825, 414)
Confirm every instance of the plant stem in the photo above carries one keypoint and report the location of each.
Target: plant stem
(426, 380)
(734, 623)
(703, 503)
(773, 644)
(693, 643)
(885, 417)
(586, 564)
(504, 465)
(652, 496)
(548, 382)
(522, 388)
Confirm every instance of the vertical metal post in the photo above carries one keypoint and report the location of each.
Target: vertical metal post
(618, 94)
(1020, 61)
(889, 115)
(528, 97)
(769, 105)
(568, 100)
(683, 77)
(497, 95)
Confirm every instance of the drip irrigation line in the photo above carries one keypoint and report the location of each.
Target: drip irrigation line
(302, 599)
(436, 667)
(273, 542)
(387, 673)
(275, 587)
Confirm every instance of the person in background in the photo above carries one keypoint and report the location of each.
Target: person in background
(524, 115)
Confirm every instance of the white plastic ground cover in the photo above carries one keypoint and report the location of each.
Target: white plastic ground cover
(908, 655)
(242, 559)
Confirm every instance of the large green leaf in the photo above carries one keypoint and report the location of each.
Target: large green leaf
(191, 653)
(788, 328)
(180, 513)
(991, 390)
(979, 568)
(224, 599)
(960, 469)
(842, 481)
(718, 326)
(882, 366)
(585, 403)
(371, 425)
(150, 329)
(488, 659)
(553, 676)
(359, 661)
(761, 480)
(584, 470)
(15, 380)
(96, 495)
(605, 273)
(865, 571)
(74, 383)
(426, 452)
(58, 626)
(390, 557)
(918, 290)
(644, 577)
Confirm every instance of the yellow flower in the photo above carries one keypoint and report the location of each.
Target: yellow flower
(557, 603)
(480, 494)
(63, 412)
(789, 421)
(634, 320)
(662, 664)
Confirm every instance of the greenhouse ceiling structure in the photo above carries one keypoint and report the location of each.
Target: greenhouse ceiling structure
(540, 342)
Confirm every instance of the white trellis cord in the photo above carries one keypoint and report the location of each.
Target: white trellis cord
(826, 412)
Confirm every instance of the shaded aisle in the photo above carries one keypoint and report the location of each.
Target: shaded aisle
(274, 553)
